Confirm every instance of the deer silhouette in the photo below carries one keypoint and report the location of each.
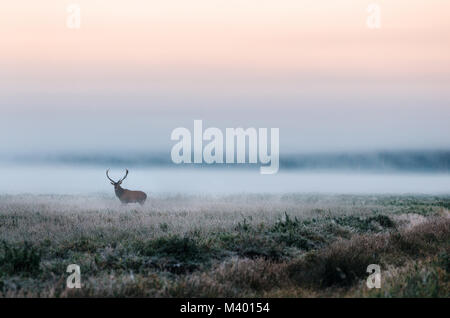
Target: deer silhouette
(125, 195)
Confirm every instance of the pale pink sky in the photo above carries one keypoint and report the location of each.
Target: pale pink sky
(312, 68)
(233, 38)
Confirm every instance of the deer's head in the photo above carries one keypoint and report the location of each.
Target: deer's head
(118, 183)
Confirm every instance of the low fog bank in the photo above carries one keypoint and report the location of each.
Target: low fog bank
(383, 161)
(64, 179)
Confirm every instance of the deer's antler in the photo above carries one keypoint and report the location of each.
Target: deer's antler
(109, 177)
(126, 174)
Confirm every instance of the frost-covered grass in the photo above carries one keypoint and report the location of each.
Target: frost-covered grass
(240, 245)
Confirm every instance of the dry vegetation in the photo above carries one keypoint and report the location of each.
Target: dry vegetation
(237, 246)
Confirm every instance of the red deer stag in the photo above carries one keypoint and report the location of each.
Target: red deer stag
(124, 195)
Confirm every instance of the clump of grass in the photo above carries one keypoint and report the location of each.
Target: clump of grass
(422, 278)
(341, 264)
(19, 258)
(259, 246)
(444, 260)
(422, 283)
(366, 224)
(383, 220)
(344, 262)
(252, 244)
(423, 240)
(164, 227)
(233, 278)
(243, 226)
(444, 203)
(293, 232)
(175, 253)
(82, 244)
(125, 284)
(180, 248)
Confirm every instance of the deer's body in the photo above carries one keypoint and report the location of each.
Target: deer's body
(125, 195)
(129, 196)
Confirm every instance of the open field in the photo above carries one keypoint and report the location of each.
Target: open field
(288, 245)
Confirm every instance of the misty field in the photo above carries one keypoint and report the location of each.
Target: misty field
(225, 246)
